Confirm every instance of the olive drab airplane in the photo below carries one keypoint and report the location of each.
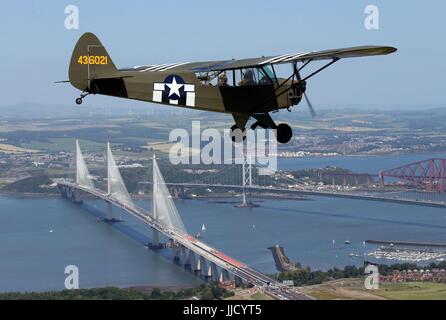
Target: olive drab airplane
(247, 88)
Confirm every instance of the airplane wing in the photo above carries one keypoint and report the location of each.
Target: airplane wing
(352, 52)
(208, 66)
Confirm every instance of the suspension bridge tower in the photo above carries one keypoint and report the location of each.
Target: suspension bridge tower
(246, 184)
(155, 244)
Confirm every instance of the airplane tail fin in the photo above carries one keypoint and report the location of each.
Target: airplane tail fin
(90, 61)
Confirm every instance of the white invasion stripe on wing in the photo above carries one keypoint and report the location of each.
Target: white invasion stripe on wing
(148, 68)
(174, 66)
(271, 59)
(282, 58)
(161, 67)
(296, 56)
(276, 59)
(151, 68)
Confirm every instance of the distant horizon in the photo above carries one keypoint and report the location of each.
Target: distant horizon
(149, 106)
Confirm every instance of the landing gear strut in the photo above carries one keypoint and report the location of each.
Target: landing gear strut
(284, 132)
(83, 95)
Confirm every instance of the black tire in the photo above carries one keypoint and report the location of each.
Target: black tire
(235, 137)
(79, 101)
(284, 133)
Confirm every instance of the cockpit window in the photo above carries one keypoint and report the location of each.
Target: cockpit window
(239, 77)
(208, 78)
(268, 72)
(255, 76)
(248, 77)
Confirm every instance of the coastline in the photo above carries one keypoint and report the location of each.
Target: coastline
(28, 194)
(144, 288)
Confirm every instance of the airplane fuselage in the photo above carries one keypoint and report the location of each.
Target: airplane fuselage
(185, 90)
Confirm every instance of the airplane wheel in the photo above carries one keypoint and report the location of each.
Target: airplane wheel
(237, 134)
(79, 101)
(284, 133)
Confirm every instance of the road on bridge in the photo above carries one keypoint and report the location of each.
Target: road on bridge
(268, 285)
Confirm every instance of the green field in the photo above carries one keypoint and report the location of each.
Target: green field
(412, 291)
(353, 289)
(63, 144)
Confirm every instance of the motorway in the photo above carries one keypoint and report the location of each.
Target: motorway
(267, 284)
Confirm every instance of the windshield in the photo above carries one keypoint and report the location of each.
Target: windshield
(269, 72)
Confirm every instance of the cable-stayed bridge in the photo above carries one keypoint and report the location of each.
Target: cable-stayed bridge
(165, 219)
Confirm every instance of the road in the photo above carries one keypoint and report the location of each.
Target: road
(360, 196)
(200, 248)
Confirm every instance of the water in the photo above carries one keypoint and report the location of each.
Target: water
(33, 258)
(307, 228)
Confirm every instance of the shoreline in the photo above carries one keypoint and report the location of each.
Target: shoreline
(29, 194)
(145, 288)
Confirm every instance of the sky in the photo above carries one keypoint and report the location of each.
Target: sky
(37, 47)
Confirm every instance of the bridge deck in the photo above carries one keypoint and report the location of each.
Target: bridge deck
(188, 241)
(363, 196)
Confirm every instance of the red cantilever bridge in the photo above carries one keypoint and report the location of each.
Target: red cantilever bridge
(427, 174)
(165, 219)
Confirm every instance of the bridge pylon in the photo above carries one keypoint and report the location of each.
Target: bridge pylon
(177, 254)
(214, 270)
(208, 273)
(116, 188)
(238, 281)
(155, 233)
(82, 174)
(224, 276)
(200, 265)
(190, 260)
(246, 183)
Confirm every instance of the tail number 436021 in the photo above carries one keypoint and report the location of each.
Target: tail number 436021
(92, 60)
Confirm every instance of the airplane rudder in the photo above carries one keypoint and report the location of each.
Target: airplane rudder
(89, 60)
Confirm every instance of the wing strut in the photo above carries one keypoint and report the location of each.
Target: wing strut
(304, 79)
(320, 69)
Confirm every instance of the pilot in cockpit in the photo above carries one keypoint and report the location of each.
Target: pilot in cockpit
(223, 80)
(248, 79)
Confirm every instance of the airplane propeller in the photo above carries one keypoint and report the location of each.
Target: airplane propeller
(310, 106)
(303, 86)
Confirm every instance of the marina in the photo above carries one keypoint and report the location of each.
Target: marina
(406, 255)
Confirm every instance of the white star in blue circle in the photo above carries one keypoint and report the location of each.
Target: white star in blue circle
(175, 85)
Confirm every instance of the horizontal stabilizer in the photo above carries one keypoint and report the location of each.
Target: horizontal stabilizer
(100, 78)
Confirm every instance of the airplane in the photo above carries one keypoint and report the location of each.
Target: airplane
(246, 88)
